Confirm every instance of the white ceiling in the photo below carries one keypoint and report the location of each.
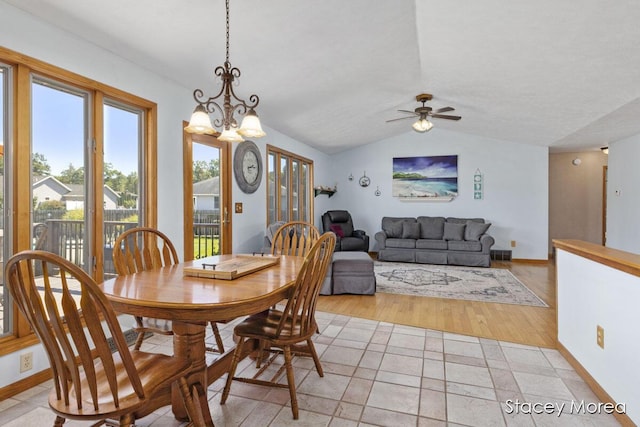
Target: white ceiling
(329, 73)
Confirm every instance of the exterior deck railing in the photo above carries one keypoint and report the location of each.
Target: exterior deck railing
(67, 238)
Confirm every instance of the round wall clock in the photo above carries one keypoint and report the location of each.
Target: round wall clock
(247, 166)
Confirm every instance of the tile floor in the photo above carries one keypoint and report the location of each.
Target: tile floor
(381, 374)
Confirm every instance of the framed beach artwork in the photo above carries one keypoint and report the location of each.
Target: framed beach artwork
(429, 178)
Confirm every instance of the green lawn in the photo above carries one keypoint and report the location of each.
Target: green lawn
(205, 246)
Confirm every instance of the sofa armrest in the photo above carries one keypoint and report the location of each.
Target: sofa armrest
(486, 241)
(381, 239)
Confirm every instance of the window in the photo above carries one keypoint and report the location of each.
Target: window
(58, 138)
(121, 172)
(80, 168)
(290, 181)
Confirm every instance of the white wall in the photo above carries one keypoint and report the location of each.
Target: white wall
(591, 294)
(515, 182)
(249, 226)
(623, 195)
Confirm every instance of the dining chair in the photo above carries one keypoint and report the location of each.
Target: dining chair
(294, 238)
(145, 248)
(93, 379)
(287, 331)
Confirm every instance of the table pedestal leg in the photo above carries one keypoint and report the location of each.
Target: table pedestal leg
(188, 342)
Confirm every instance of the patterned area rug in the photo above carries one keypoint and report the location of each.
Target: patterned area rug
(444, 281)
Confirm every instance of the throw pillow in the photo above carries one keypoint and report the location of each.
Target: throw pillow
(410, 230)
(454, 231)
(394, 229)
(337, 230)
(431, 227)
(474, 230)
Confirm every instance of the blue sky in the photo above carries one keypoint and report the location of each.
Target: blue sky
(58, 134)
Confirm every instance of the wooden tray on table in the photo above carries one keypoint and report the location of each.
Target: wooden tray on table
(238, 266)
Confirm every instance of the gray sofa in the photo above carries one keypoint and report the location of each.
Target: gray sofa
(435, 240)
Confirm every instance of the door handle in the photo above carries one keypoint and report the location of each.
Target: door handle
(226, 216)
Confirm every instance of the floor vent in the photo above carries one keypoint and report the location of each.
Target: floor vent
(501, 255)
(129, 335)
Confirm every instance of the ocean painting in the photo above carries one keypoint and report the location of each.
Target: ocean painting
(425, 178)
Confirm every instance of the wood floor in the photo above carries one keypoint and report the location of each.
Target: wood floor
(507, 322)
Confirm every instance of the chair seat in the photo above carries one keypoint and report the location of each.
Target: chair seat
(152, 369)
(289, 330)
(264, 326)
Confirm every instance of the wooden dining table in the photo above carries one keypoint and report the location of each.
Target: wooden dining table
(192, 302)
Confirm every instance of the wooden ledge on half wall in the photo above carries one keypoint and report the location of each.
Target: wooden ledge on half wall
(614, 258)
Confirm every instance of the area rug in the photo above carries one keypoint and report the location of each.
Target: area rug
(445, 281)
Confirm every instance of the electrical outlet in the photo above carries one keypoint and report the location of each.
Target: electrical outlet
(600, 336)
(513, 243)
(26, 362)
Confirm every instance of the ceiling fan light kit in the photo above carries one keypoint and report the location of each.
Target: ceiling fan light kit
(423, 124)
(200, 122)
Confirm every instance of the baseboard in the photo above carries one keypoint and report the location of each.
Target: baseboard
(25, 384)
(593, 384)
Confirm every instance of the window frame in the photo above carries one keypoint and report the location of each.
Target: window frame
(278, 154)
(18, 149)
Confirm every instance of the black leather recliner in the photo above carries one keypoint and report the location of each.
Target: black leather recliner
(341, 224)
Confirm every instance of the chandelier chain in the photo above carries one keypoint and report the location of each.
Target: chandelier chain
(227, 3)
(201, 122)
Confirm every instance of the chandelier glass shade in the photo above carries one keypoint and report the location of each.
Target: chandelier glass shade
(422, 125)
(226, 104)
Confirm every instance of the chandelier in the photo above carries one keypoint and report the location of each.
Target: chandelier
(200, 122)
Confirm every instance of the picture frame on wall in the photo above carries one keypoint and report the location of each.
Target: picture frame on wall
(426, 178)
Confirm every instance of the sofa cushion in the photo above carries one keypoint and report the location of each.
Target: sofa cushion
(474, 230)
(431, 244)
(464, 245)
(464, 220)
(410, 230)
(431, 227)
(454, 231)
(401, 243)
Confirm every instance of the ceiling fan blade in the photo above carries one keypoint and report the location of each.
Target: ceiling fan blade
(444, 110)
(443, 116)
(401, 118)
(409, 112)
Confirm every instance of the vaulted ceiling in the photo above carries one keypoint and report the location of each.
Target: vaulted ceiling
(561, 74)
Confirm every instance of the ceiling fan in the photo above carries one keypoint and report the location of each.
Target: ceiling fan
(423, 124)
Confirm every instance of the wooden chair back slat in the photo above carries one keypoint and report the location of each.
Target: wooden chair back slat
(142, 248)
(73, 318)
(56, 311)
(301, 305)
(294, 238)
